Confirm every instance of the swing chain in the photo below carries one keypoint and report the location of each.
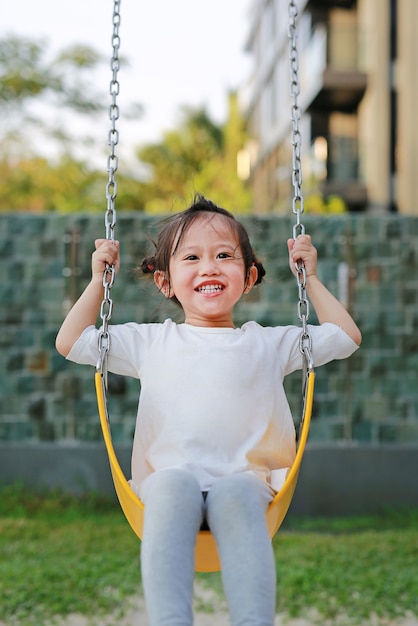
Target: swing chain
(305, 344)
(109, 274)
(113, 136)
(296, 114)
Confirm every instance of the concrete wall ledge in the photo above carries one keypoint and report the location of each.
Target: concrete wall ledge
(335, 479)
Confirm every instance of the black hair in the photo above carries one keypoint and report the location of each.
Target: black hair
(174, 228)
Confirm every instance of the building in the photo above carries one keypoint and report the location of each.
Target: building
(359, 86)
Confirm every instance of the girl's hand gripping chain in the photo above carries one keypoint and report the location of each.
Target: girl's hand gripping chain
(302, 249)
(85, 311)
(327, 307)
(107, 253)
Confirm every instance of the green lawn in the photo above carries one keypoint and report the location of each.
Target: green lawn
(61, 555)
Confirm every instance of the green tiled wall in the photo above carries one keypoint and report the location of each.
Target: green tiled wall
(45, 261)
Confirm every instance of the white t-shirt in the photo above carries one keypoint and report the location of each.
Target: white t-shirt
(212, 399)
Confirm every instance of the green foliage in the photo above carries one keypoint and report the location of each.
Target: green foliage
(197, 156)
(317, 205)
(37, 185)
(21, 75)
(27, 73)
(32, 83)
(60, 555)
(218, 178)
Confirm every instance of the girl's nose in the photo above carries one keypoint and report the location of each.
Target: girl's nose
(208, 267)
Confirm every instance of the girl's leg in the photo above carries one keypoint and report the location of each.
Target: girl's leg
(174, 511)
(236, 512)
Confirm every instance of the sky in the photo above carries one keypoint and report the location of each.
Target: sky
(180, 51)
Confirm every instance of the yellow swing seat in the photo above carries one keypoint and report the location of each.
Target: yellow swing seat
(206, 554)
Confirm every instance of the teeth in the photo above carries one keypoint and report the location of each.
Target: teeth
(210, 288)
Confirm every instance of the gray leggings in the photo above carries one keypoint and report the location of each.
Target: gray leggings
(235, 510)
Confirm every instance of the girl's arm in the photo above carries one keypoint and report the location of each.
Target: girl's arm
(85, 311)
(327, 307)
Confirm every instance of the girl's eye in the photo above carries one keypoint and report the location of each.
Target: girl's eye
(191, 257)
(224, 255)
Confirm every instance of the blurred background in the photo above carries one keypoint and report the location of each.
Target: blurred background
(205, 106)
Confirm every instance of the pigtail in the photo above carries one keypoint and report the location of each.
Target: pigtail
(148, 265)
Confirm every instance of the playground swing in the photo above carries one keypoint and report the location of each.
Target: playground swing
(206, 555)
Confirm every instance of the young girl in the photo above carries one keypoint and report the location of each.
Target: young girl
(214, 436)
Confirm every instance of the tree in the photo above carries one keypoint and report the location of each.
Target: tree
(198, 156)
(42, 101)
(37, 185)
(45, 99)
(219, 177)
(29, 82)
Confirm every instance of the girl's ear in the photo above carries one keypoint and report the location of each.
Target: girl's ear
(251, 279)
(163, 283)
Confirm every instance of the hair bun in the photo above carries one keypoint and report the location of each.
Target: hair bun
(261, 272)
(148, 265)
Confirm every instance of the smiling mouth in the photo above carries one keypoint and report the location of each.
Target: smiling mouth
(210, 289)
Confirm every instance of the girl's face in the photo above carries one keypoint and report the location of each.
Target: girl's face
(207, 273)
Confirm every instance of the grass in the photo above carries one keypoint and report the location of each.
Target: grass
(359, 567)
(62, 555)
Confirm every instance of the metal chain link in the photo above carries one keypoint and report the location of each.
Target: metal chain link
(111, 189)
(297, 201)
